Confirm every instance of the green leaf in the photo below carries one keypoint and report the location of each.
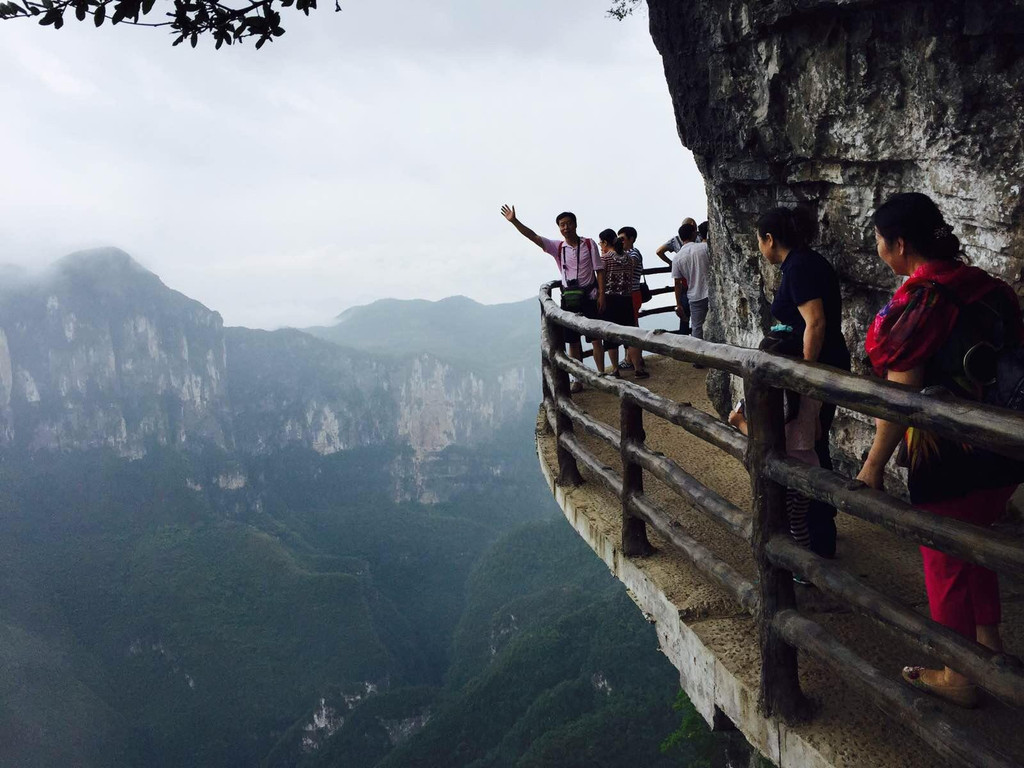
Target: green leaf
(147, 6)
(100, 14)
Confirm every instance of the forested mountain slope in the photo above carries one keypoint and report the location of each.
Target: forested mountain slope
(226, 547)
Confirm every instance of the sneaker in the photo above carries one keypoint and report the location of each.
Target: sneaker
(643, 373)
(625, 365)
(576, 387)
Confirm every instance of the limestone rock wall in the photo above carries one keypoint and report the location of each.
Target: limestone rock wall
(99, 353)
(837, 104)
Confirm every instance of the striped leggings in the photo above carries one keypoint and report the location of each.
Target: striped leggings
(796, 509)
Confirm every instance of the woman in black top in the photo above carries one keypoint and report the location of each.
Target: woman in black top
(808, 302)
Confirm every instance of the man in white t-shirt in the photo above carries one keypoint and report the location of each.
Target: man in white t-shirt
(579, 262)
(690, 272)
(673, 246)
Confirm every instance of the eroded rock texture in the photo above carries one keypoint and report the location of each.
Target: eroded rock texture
(837, 105)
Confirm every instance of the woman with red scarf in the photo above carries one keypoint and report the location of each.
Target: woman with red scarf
(915, 340)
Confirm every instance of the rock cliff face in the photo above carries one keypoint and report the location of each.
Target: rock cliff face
(100, 353)
(836, 104)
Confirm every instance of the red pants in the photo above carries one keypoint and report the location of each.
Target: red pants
(962, 595)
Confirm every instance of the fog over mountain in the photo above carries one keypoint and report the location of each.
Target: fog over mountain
(232, 547)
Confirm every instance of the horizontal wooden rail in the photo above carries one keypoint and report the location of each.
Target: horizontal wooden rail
(656, 271)
(720, 572)
(902, 703)
(589, 424)
(594, 465)
(967, 657)
(728, 578)
(723, 512)
(684, 415)
(781, 628)
(996, 429)
(657, 311)
(660, 291)
(718, 509)
(968, 542)
(933, 408)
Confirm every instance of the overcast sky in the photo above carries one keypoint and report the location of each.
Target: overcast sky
(363, 155)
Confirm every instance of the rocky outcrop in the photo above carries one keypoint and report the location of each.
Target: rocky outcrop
(100, 353)
(835, 104)
(291, 389)
(442, 406)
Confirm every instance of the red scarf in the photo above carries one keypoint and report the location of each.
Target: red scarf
(919, 318)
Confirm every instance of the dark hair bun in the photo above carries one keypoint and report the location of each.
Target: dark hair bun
(914, 217)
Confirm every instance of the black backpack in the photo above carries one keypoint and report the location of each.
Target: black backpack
(982, 357)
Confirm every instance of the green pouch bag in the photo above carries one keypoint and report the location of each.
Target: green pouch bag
(572, 299)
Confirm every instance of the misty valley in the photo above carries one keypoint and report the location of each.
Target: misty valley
(333, 547)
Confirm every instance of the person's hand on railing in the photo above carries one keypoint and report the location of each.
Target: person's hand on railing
(738, 419)
(872, 475)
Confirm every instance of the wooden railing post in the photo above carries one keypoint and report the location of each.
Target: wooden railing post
(780, 694)
(546, 369)
(634, 530)
(568, 472)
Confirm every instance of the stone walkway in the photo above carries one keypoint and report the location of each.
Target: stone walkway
(713, 643)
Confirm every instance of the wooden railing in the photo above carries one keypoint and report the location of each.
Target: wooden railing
(782, 628)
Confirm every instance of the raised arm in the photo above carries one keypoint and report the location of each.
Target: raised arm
(509, 212)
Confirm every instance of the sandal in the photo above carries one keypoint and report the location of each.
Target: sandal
(965, 696)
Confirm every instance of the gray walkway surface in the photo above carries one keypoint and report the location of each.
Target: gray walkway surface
(713, 642)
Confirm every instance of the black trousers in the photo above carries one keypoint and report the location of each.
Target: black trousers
(821, 517)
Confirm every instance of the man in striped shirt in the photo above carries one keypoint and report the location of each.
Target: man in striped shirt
(629, 235)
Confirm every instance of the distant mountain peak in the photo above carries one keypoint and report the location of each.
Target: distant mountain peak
(447, 303)
(106, 259)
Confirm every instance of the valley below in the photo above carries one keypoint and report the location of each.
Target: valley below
(231, 547)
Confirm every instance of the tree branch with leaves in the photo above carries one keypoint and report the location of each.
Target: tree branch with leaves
(622, 8)
(186, 20)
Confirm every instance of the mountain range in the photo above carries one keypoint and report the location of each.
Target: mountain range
(231, 547)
